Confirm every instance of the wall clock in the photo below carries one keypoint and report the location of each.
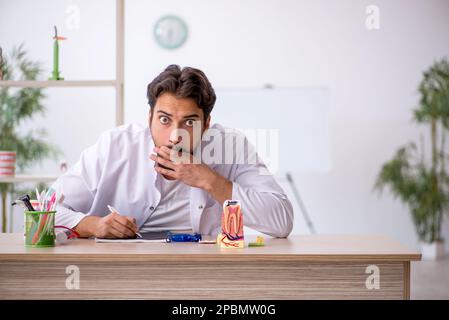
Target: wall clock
(170, 32)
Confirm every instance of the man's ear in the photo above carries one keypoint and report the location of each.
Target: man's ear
(150, 116)
(207, 123)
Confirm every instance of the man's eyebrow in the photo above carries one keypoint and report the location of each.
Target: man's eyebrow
(194, 115)
(166, 113)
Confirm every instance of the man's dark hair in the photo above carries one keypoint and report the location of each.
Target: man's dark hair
(185, 83)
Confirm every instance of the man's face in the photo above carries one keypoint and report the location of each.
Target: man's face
(172, 121)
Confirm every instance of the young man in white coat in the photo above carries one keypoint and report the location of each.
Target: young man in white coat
(153, 177)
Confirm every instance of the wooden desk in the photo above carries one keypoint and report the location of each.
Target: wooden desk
(299, 267)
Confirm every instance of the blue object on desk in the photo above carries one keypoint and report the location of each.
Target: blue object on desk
(183, 237)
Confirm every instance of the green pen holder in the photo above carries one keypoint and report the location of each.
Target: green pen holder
(40, 229)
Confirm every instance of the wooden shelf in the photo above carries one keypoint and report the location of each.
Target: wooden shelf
(28, 178)
(58, 83)
(117, 83)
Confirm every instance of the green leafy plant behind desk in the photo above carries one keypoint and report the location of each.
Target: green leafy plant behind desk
(417, 178)
(17, 106)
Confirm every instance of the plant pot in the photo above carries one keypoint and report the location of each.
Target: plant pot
(7, 163)
(433, 250)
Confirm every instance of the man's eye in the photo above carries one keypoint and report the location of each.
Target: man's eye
(163, 120)
(190, 123)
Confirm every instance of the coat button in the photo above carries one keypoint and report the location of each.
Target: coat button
(151, 208)
(200, 207)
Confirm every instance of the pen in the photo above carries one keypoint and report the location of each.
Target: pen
(112, 209)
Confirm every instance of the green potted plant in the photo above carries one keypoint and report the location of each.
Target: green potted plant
(418, 179)
(16, 106)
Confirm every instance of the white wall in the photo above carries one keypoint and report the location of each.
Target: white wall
(372, 77)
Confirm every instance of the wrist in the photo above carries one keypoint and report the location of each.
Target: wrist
(93, 225)
(212, 183)
(87, 227)
(219, 188)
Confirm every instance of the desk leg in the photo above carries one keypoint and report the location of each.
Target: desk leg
(407, 280)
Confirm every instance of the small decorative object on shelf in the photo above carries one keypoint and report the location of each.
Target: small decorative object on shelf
(55, 74)
(7, 163)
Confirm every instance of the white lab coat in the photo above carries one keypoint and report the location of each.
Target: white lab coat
(117, 171)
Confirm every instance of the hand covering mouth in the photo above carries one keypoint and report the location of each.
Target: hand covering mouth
(177, 148)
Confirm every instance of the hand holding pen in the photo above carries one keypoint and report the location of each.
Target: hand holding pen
(115, 225)
(110, 226)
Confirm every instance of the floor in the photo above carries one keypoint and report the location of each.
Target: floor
(430, 279)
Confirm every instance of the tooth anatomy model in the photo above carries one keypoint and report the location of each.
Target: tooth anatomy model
(231, 235)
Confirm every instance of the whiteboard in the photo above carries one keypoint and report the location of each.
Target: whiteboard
(298, 115)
